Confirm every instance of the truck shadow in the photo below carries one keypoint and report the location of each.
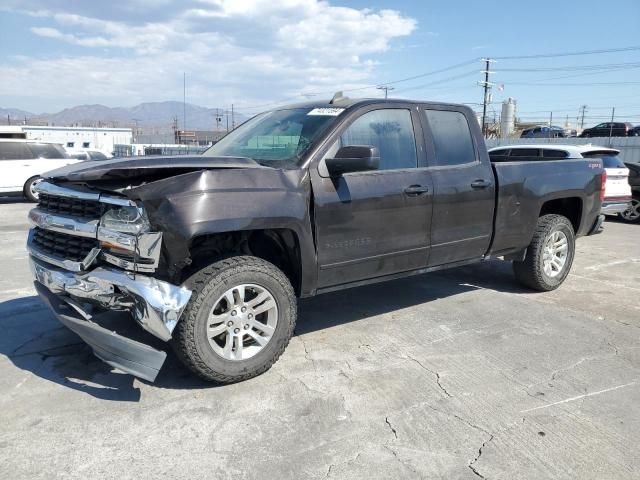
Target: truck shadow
(35, 342)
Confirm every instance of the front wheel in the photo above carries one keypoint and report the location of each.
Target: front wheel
(549, 255)
(29, 190)
(239, 319)
(632, 213)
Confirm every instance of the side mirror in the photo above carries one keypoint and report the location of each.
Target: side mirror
(354, 158)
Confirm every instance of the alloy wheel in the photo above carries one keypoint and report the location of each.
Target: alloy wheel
(242, 322)
(555, 254)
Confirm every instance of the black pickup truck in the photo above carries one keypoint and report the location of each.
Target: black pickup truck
(210, 252)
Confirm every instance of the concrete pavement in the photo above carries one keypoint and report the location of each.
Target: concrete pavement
(459, 374)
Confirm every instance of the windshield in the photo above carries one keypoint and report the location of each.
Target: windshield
(277, 138)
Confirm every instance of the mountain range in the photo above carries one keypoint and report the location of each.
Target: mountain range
(152, 115)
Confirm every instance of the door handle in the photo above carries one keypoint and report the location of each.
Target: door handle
(480, 183)
(416, 190)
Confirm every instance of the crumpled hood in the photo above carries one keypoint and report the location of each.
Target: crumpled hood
(151, 166)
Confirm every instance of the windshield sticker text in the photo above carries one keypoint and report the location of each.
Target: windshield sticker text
(331, 112)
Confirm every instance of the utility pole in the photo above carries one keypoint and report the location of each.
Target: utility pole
(184, 100)
(487, 88)
(218, 119)
(550, 123)
(583, 108)
(613, 114)
(226, 114)
(233, 118)
(386, 89)
(135, 133)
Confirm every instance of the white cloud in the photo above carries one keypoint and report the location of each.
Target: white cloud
(245, 51)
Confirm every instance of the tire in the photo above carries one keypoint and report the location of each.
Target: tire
(531, 272)
(194, 341)
(632, 214)
(27, 190)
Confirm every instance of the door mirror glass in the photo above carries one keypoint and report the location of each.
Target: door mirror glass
(353, 158)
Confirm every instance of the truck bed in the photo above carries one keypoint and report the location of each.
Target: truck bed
(525, 188)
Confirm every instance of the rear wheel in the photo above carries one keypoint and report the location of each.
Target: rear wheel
(549, 255)
(632, 214)
(29, 189)
(239, 319)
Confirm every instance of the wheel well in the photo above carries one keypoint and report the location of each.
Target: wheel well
(568, 207)
(278, 246)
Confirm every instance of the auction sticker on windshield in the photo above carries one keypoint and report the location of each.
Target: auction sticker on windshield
(331, 112)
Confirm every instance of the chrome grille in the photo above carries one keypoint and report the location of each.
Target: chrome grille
(74, 207)
(68, 247)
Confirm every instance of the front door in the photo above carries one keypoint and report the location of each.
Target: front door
(372, 224)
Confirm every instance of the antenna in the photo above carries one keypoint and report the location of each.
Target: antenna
(337, 97)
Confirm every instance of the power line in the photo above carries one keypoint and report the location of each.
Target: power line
(572, 68)
(571, 84)
(590, 68)
(367, 87)
(443, 80)
(568, 54)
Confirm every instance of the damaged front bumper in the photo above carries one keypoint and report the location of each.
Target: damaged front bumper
(154, 304)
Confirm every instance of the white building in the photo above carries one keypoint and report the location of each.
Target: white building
(76, 138)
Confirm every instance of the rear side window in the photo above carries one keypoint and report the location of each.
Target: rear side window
(14, 151)
(391, 131)
(451, 137)
(525, 152)
(47, 150)
(546, 153)
(501, 155)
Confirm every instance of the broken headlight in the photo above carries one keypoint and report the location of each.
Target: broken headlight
(126, 219)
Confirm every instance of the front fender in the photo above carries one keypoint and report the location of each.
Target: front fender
(205, 202)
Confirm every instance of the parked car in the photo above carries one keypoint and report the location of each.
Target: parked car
(211, 251)
(544, 132)
(23, 161)
(632, 213)
(90, 155)
(634, 132)
(617, 193)
(608, 129)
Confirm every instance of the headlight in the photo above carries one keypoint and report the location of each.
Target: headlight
(130, 219)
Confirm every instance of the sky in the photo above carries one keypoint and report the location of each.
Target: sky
(259, 53)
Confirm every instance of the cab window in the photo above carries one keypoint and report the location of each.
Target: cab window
(390, 131)
(451, 137)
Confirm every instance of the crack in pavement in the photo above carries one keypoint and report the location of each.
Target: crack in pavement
(367, 346)
(463, 420)
(306, 353)
(333, 465)
(432, 372)
(477, 457)
(403, 463)
(395, 433)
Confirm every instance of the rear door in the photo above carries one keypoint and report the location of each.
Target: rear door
(464, 185)
(16, 163)
(375, 223)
